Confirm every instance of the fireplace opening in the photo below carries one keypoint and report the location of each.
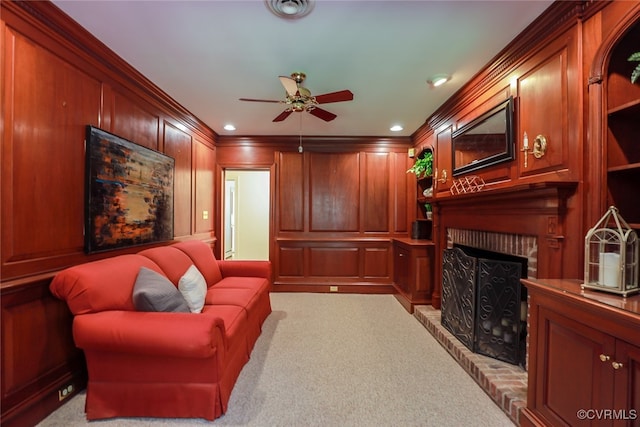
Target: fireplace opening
(484, 304)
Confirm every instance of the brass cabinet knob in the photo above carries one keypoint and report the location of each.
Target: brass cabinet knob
(616, 365)
(604, 357)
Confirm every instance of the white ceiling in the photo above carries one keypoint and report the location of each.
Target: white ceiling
(207, 54)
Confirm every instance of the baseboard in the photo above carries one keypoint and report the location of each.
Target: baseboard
(337, 287)
(33, 409)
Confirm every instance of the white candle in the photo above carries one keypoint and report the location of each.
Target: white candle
(609, 269)
(526, 141)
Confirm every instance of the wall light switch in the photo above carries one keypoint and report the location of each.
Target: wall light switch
(205, 214)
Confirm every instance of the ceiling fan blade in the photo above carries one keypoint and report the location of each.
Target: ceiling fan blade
(261, 100)
(289, 84)
(322, 114)
(283, 116)
(342, 95)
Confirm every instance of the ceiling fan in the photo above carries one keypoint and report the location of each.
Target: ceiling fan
(298, 98)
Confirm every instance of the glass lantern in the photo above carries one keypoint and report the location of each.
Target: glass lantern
(611, 256)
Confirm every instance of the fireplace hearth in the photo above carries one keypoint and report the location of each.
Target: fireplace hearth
(483, 302)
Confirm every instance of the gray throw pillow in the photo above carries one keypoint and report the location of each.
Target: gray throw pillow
(154, 292)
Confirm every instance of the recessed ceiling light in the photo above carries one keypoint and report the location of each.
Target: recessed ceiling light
(229, 127)
(290, 9)
(438, 80)
(396, 128)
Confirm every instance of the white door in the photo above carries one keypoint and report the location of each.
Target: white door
(246, 210)
(229, 218)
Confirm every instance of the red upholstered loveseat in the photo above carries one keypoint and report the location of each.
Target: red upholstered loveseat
(164, 364)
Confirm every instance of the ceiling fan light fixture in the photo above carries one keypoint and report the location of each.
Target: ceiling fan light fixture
(290, 9)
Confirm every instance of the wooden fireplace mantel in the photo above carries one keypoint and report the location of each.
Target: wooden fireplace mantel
(532, 209)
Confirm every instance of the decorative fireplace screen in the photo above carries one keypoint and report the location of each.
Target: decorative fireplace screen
(483, 302)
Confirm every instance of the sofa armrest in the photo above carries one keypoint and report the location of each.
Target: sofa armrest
(155, 333)
(244, 268)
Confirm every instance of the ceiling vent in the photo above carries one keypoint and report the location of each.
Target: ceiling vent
(290, 9)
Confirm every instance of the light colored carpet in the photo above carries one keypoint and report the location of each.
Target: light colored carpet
(338, 360)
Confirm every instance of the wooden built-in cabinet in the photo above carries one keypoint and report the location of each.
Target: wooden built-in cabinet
(623, 130)
(584, 356)
(413, 257)
(413, 271)
(614, 112)
(424, 197)
(547, 100)
(443, 163)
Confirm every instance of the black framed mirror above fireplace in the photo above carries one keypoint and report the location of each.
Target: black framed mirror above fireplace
(485, 141)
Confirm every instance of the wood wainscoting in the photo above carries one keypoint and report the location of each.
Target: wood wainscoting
(325, 265)
(39, 359)
(57, 79)
(336, 208)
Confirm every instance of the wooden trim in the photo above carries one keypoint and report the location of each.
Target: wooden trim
(601, 60)
(559, 17)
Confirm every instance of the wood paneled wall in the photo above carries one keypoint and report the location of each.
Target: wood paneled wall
(55, 80)
(336, 208)
(544, 70)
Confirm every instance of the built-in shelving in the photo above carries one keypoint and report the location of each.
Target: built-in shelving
(631, 167)
(623, 127)
(628, 108)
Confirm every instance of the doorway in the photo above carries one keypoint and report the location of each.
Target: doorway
(246, 214)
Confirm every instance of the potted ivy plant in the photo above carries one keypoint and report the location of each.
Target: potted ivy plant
(423, 166)
(635, 74)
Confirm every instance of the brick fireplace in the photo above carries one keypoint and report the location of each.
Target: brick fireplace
(506, 243)
(484, 303)
(526, 221)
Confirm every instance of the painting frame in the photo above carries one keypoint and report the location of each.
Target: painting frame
(128, 193)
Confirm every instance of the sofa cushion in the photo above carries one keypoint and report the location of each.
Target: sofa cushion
(172, 261)
(100, 285)
(154, 292)
(202, 256)
(193, 288)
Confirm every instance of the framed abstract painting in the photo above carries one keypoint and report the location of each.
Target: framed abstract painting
(128, 193)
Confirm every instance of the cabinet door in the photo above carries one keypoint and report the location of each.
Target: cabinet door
(443, 162)
(546, 101)
(570, 373)
(627, 384)
(402, 267)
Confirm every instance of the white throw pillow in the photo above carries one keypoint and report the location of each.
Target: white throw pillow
(193, 287)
